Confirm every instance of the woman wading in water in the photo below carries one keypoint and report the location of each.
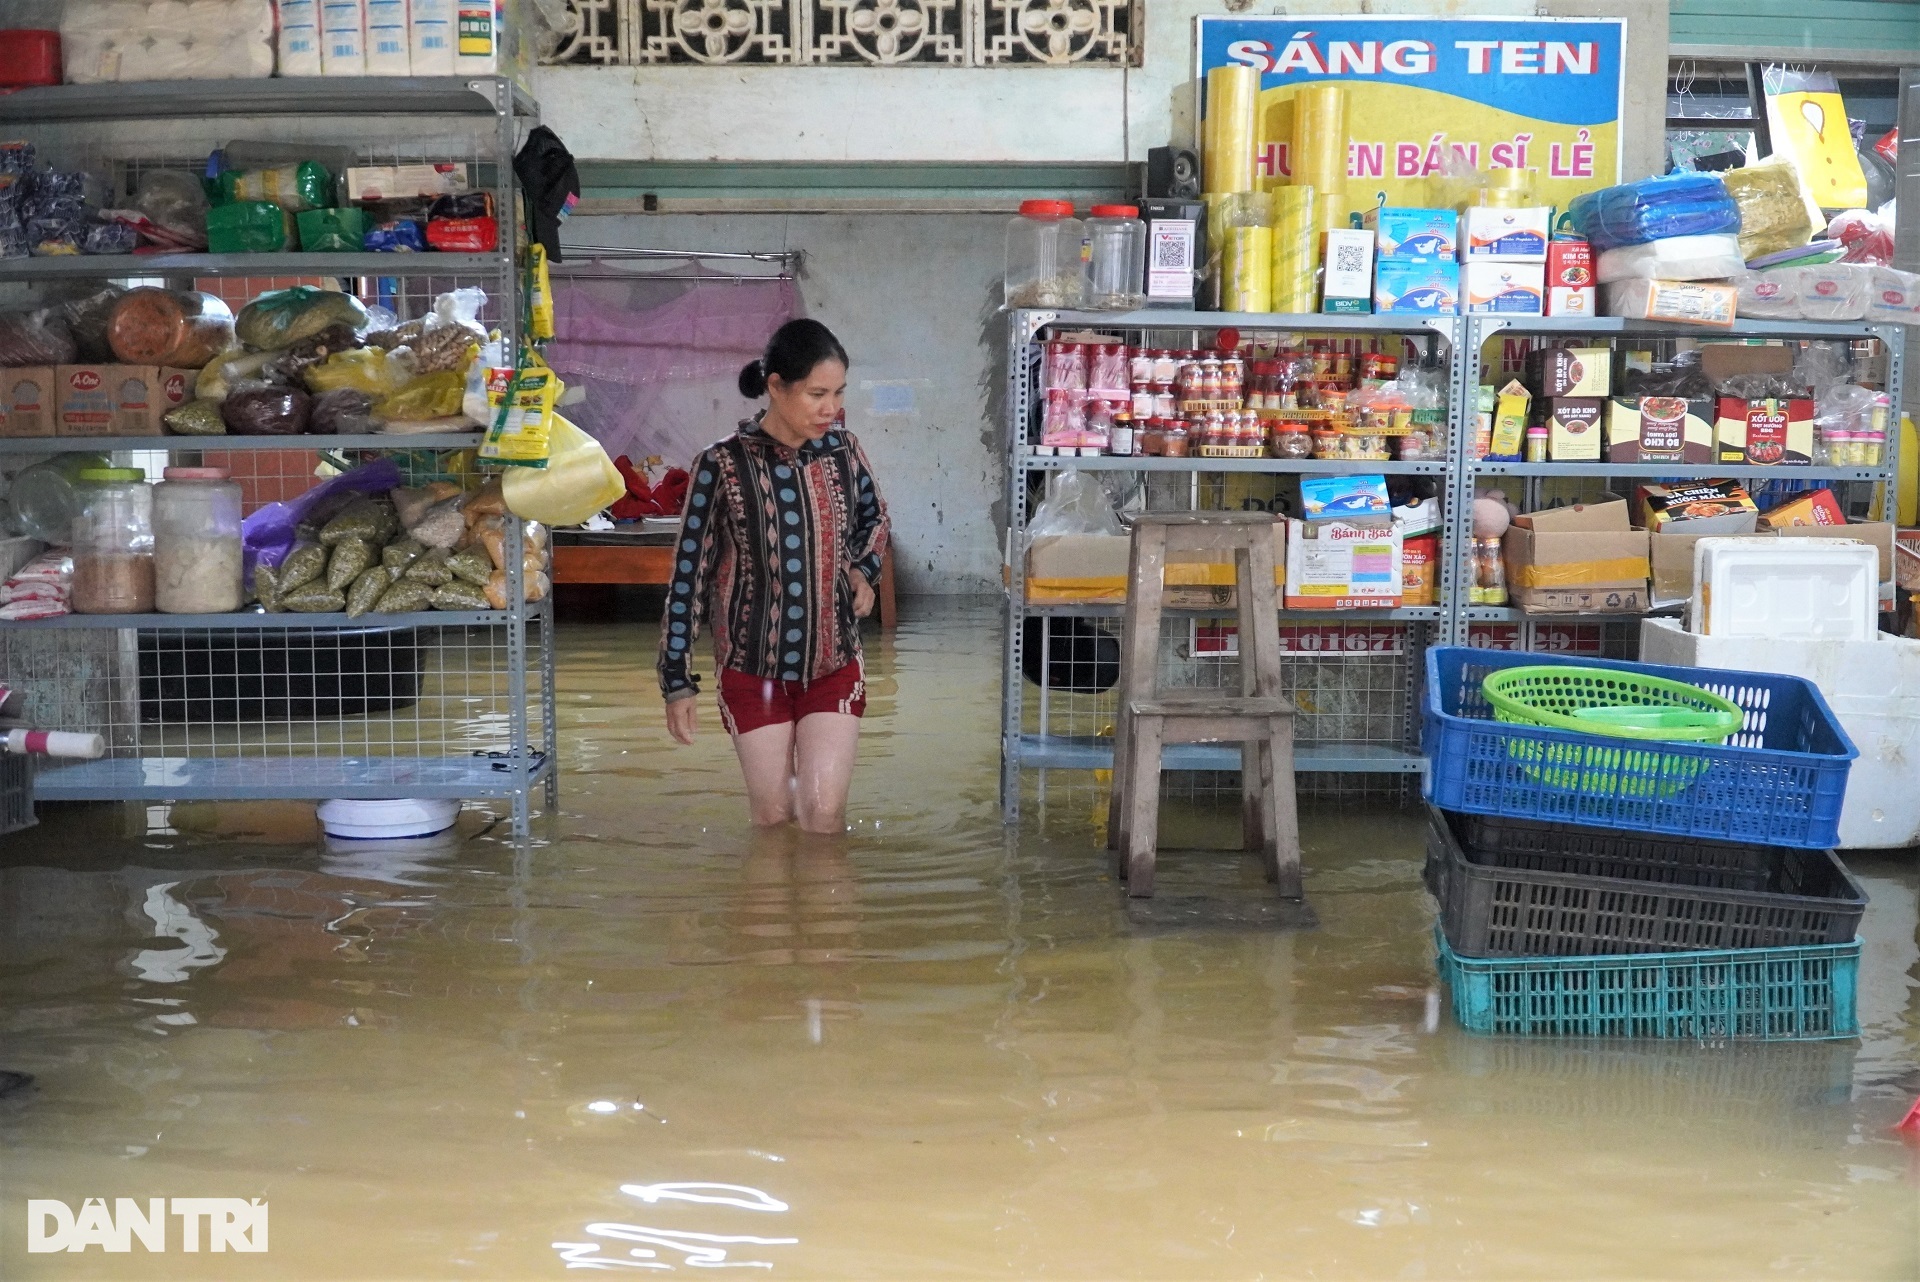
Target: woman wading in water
(779, 551)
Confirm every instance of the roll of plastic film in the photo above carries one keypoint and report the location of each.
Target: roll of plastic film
(1296, 252)
(1508, 189)
(1233, 94)
(1275, 136)
(1318, 152)
(1246, 283)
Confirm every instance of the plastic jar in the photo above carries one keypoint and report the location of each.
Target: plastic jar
(1292, 440)
(1044, 264)
(1117, 245)
(197, 566)
(113, 542)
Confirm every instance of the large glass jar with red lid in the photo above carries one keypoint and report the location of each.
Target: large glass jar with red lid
(1044, 268)
(1117, 247)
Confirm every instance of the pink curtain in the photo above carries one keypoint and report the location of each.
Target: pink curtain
(658, 359)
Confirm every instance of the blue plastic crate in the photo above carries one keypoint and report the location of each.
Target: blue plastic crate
(1780, 781)
(1802, 994)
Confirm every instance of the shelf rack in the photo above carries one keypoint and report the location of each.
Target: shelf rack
(463, 707)
(1041, 746)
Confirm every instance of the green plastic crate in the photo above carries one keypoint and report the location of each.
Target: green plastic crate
(1799, 994)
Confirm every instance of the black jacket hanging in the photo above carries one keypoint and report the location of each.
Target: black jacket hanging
(552, 184)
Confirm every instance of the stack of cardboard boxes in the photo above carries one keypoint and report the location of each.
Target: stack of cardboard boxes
(90, 400)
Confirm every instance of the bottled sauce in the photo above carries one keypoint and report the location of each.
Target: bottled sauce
(197, 565)
(113, 543)
(1121, 440)
(1044, 266)
(1489, 574)
(1117, 252)
(1537, 437)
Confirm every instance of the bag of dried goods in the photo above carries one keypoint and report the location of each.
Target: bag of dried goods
(448, 337)
(345, 411)
(443, 526)
(428, 396)
(266, 409)
(430, 568)
(195, 418)
(1776, 212)
(367, 591)
(314, 598)
(365, 369)
(460, 596)
(351, 558)
(283, 317)
(39, 337)
(295, 188)
(413, 504)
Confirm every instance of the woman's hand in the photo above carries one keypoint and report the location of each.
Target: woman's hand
(862, 594)
(682, 719)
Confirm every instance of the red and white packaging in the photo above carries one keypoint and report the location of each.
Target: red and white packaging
(1066, 367)
(1571, 289)
(1109, 373)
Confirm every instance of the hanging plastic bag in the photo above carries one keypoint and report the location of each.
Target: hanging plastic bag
(1076, 503)
(539, 295)
(578, 481)
(523, 418)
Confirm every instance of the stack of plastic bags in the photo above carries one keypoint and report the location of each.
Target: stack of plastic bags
(125, 40)
(39, 590)
(1705, 248)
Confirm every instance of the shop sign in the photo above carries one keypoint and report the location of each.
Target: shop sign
(1329, 639)
(1548, 638)
(1496, 93)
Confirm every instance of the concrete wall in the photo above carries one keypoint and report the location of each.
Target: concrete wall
(914, 298)
(1015, 114)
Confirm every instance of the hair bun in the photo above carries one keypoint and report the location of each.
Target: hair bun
(753, 379)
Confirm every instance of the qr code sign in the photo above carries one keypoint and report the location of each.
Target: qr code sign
(1349, 258)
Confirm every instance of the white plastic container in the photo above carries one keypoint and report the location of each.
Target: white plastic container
(388, 820)
(1873, 687)
(1814, 589)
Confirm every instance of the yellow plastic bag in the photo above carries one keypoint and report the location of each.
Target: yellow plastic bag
(539, 296)
(428, 396)
(578, 481)
(364, 369)
(522, 404)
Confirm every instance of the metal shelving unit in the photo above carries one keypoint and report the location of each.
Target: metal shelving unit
(1366, 727)
(1468, 470)
(1068, 729)
(294, 706)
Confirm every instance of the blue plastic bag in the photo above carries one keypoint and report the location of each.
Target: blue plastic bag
(1654, 209)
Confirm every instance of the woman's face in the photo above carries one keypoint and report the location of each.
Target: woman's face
(811, 406)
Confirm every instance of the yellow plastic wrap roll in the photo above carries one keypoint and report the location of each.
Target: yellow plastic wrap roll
(1246, 270)
(1233, 93)
(1296, 250)
(1508, 189)
(1276, 135)
(1318, 153)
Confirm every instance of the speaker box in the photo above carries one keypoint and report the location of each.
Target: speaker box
(1173, 173)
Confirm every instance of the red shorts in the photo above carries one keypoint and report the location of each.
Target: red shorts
(749, 703)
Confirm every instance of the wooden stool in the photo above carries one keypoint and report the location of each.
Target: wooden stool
(1259, 717)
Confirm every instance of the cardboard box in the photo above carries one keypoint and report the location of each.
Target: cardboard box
(1698, 507)
(1723, 360)
(1093, 567)
(1573, 427)
(1816, 508)
(1510, 409)
(1764, 433)
(1665, 429)
(1347, 277)
(1673, 556)
(1516, 235)
(107, 400)
(1422, 235)
(1427, 288)
(1557, 557)
(1513, 288)
(1336, 566)
(27, 401)
(1358, 500)
(1571, 371)
(1420, 570)
(1581, 600)
(400, 182)
(1570, 279)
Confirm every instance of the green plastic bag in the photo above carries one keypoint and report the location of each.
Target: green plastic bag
(282, 317)
(291, 187)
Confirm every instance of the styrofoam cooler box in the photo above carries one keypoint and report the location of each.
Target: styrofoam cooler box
(1873, 687)
(1814, 588)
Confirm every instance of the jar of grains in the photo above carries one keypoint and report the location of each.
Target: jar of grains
(197, 565)
(113, 542)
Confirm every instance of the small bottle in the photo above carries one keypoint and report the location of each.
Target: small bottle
(1537, 443)
(1121, 440)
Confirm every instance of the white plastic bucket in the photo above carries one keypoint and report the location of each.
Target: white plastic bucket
(388, 819)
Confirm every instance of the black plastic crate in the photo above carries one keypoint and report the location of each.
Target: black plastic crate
(277, 675)
(16, 792)
(1513, 888)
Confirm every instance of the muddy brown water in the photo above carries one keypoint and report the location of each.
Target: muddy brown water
(655, 1042)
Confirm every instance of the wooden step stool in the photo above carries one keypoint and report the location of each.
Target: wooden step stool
(1259, 717)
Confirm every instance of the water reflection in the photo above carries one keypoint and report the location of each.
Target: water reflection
(695, 1249)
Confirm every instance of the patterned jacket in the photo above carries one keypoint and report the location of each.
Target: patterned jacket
(764, 543)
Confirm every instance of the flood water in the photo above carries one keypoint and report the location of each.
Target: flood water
(937, 1049)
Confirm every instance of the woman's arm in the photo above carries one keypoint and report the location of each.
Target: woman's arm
(696, 549)
(871, 528)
